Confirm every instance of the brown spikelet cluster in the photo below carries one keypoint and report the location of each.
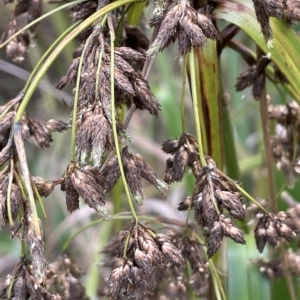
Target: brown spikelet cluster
(63, 278)
(270, 228)
(284, 146)
(94, 120)
(40, 130)
(184, 23)
(88, 183)
(167, 281)
(292, 11)
(142, 251)
(35, 244)
(194, 253)
(254, 77)
(23, 284)
(213, 192)
(44, 187)
(17, 47)
(135, 169)
(294, 221)
(274, 267)
(16, 199)
(264, 9)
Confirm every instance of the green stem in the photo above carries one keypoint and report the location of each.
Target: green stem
(10, 180)
(183, 93)
(76, 96)
(250, 198)
(96, 222)
(37, 195)
(23, 249)
(70, 37)
(218, 287)
(126, 245)
(113, 113)
(196, 101)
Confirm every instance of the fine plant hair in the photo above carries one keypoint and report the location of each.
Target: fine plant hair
(147, 253)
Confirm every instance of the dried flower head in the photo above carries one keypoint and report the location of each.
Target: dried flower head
(88, 183)
(22, 284)
(16, 200)
(184, 23)
(44, 186)
(135, 168)
(222, 227)
(254, 77)
(36, 248)
(64, 279)
(265, 9)
(143, 252)
(270, 228)
(185, 154)
(283, 143)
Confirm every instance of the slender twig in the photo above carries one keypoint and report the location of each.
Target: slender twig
(263, 106)
(196, 101)
(184, 71)
(9, 189)
(218, 287)
(114, 125)
(26, 175)
(75, 104)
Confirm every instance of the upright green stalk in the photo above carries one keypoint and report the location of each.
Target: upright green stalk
(196, 101)
(183, 93)
(113, 113)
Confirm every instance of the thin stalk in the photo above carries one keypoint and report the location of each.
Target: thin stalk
(218, 287)
(10, 288)
(26, 175)
(96, 222)
(39, 19)
(250, 197)
(126, 245)
(23, 248)
(220, 294)
(10, 180)
(183, 93)
(196, 102)
(70, 37)
(37, 195)
(113, 113)
(263, 107)
(288, 277)
(98, 70)
(76, 96)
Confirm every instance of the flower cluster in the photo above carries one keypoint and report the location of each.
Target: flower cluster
(270, 228)
(285, 144)
(135, 169)
(17, 47)
(213, 192)
(184, 23)
(94, 120)
(142, 251)
(288, 9)
(86, 182)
